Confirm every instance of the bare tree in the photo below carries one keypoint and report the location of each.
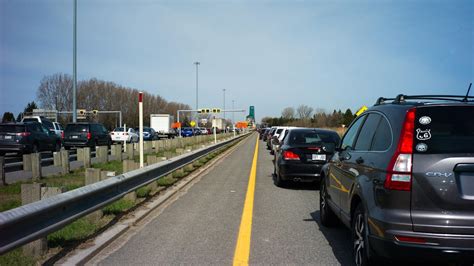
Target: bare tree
(55, 92)
(304, 111)
(288, 113)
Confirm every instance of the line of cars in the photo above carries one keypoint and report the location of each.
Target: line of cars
(401, 179)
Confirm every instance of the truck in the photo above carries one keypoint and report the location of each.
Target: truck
(162, 124)
(219, 124)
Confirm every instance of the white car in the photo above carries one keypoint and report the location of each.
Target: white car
(58, 129)
(203, 131)
(119, 135)
(280, 133)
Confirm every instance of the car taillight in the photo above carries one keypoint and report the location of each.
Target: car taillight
(89, 135)
(62, 135)
(23, 134)
(126, 134)
(410, 239)
(112, 133)
(399, 171)
(289, 155)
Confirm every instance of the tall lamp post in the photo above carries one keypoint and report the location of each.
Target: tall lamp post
(74, 68)
(225, 129)
(197, 85)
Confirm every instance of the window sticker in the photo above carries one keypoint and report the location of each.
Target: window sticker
(424, 120)
(423, 134)
(421, 147)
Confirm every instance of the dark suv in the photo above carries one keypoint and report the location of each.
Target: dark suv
(403, 181)
(85, 135)
(27, 137)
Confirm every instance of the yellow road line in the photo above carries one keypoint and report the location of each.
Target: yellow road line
(242, 250)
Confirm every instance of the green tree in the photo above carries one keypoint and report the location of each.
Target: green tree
(8, 117)
(348, 117)
(30, 106)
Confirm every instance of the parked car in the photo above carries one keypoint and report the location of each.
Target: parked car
(148, 133)
(302, 153)
(40, 119)
(274, 133)
(120, 135)
(269, 136)
(403, 181)
(275, 142)
(265, 134)
(58, 129)
(203, 131)
(28, 137)
(187, 132)
(262, 132)
(85, 134)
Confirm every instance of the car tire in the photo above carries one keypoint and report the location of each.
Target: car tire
(279, 182)
(326, 215)
(359, 237)
(35, 148)
(57, 146)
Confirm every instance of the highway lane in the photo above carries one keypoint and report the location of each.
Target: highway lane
(202, 226)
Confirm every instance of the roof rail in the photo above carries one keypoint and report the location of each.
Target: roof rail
(401, 98)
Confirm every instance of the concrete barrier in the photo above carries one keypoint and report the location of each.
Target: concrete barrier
(36, 166)
(116, 152)
(93, 175)
(130, 151)
(65, 165)
(87, 157)
(26, 162)
(57, 158)
(102, 154)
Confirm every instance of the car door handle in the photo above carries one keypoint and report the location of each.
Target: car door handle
(360, 160)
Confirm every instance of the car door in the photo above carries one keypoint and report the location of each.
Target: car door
(45, 139)
(358, 161)
(337, 166)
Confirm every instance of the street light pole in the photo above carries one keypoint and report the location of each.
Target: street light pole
(233, 117)
(74, 67)
(225, 129)
(197, 85)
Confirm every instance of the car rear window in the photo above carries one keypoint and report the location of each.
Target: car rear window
(77, 128)
(30, 120)
(444, 129)
(118, 129)
(11, 128)
(308, 137)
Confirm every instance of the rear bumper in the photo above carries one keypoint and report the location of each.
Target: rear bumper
(67, 143)
(300, 172)
(15, 147)
(453, 249)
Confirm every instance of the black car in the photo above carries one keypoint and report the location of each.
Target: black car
(302, 153)
(86, 134)
(29, 137)
(148, 133)
(403, 181)
(262, 132)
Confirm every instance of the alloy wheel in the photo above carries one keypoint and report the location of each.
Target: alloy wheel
(359, 242)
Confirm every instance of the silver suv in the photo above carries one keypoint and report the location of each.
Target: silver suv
(403, 181)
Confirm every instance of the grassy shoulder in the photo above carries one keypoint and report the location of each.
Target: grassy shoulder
(84, 228)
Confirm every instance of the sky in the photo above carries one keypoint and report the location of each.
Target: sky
(270, 54)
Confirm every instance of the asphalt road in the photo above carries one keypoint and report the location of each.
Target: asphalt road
(202, 226)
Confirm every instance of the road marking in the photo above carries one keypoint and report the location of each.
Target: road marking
(242, 250)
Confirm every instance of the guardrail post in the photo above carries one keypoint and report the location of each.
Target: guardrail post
(31, 193)
(2, 170)
(116, 151)
(130, 151)
(151, 159)
(179, 151)
(36, 166)
(87, 157)
(57, 158)
(93, 175)
(80, 155)
(65, 166)
(148, 147)
(26, 162)
(101, 153)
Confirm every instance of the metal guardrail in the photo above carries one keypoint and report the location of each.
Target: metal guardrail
(38, 219)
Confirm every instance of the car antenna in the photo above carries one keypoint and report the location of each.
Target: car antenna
(467, 94)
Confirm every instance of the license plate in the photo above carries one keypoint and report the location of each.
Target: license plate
(319, 157)
(74, 137)
(8, 137)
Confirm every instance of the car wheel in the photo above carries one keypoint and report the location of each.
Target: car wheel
(279, 182)
(326, 215)
(35, 148)
(57, 147)
(359, 237)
